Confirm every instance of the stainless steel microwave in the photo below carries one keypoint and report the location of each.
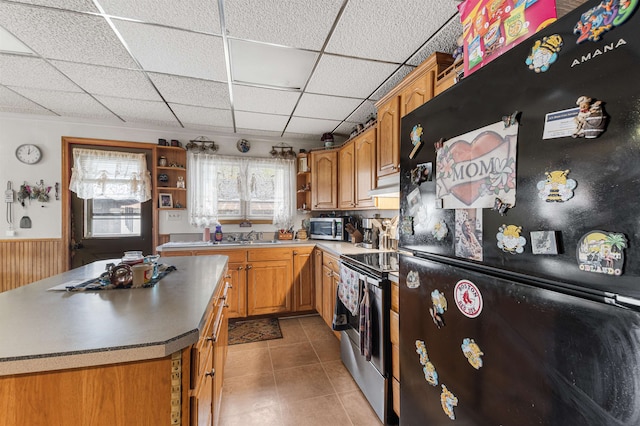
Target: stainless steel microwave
(328, 228)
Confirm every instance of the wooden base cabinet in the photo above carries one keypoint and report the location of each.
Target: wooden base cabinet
(394, 325)
(303, 288)
(318, 273)
(269, 281)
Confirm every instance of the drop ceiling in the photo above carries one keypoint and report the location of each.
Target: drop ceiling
(276, 69)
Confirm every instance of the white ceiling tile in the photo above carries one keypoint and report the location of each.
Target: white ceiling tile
(311, 126)
(67, 104)
(268, 65)
(65, 35)
(355, 78)
(363, 113)
(13, 102)
(302, 24)
(26, 71)
(189, 115)
(388, 30)
(173, 51)
(446, 41)
(135, 110)
(256, 99)
(328, 107)
(252, 120)
(391, 82)
(108, 81)
(194, 15)
(77, 5)
(192, 91)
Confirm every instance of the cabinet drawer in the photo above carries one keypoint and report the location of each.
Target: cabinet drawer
(395, 297)
(268, 254)
(394, 325)
(395, 384)
(331, 262)
(237, 256)
(395, 361)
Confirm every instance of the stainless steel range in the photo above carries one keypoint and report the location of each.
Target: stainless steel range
(367, 355)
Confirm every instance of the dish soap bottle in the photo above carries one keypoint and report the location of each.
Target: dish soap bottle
(218, 233)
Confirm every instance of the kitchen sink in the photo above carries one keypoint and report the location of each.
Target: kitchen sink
(247, 243)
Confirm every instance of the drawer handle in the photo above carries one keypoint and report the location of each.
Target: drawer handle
(225, 306)
(249, 266)
(227, 276)
(295, 253)
(211, 373)
(240, 268)
(209, 339)
(229, 285)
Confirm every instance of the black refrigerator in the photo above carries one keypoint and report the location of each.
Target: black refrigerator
(519, 230)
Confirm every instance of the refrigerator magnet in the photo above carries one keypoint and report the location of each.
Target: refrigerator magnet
(413, 279)
(448, 401)
(604, 17)
(601, 252)
(544, 53)
(591, 119)
(472, 352)
(406, 225)
(544, 242)
(416, 140)
(414, 199)
(510, 120)
(510, 240)
(501, 207)
(556, 187)
(440, 230)
(468, 298)
(429, 370)
(422, 173)
(439, 308)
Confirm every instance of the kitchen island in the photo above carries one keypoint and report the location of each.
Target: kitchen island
(116, 357)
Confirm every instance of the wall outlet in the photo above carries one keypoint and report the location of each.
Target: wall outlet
(10, 233)
(174, 216)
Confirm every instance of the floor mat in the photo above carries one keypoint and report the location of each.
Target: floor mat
(248, 331)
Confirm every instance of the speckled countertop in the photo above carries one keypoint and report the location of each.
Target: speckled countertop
(43, 330)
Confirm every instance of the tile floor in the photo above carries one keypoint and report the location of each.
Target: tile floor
(297, 380)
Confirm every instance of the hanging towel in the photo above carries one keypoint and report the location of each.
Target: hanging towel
(340, 315)
(349, 290)
(365, 322)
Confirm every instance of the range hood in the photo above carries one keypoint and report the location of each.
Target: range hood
(388, 187)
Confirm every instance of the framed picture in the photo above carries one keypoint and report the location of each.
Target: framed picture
(165, 201)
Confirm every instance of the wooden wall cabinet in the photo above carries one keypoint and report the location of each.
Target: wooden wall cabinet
(357, 171)
(324, 180)
(347, 176)
(388, 149)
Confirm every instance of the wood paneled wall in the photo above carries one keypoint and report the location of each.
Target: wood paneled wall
(25, 261)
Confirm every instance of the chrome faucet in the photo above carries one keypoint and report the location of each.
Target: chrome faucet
(250, 236)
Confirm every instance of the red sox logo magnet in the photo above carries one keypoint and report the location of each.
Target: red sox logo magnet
(468, 298)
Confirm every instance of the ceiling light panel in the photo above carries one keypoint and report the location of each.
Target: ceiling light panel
(134, 110)
(327, 107)
(8, 43)
(190, 115)
(65, 35)
(173, 51)
(355, 78)
(25, 71)
(311, 126)
(252, 120)
(77, 5)
(445, 42)
(192, 91)
(388, 30)
(68, 104)
(109, 81)
(13, 102)
(194, 15)
(269, 65)
(256, 99)
(303, 24)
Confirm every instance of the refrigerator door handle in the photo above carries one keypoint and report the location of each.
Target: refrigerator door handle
(627, 302)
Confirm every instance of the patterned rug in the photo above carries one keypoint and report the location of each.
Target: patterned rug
(248, 331)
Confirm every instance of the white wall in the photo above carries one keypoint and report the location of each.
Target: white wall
(47, 133)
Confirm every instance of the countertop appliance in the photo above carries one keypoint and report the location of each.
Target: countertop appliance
(328, 228)
(372, 376)
(367, 233)
(513, 337)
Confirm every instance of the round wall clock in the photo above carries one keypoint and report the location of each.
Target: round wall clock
(243, 145)
(28, 153)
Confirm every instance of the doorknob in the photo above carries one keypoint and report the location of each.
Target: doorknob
(77, 246)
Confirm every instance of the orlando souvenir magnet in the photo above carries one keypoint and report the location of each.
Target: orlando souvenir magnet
(604, 17)
(429, 370)
(556, 187)
(416, 140)
(448, 401)
(544, 53)
(472, 352)
(509, 239)
(601, 252)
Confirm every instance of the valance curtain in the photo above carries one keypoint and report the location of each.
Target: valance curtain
(208, 185)
(110, 174)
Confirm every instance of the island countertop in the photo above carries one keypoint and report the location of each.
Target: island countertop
(43, 330)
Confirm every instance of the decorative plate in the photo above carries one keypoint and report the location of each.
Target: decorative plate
(243, 145)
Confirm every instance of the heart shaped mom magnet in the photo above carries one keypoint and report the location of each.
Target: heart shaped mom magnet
(475, 168)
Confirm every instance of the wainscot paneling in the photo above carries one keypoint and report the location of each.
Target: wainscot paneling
(25, 261)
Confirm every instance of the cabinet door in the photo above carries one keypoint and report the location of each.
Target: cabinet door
(328, 298)
(318, 274)
(346, 176)
(324, 180)
(417, 93)
(365, 169)
(202, 399)
(388, 153)
(269, 287)
(237, 295)
(303, 288)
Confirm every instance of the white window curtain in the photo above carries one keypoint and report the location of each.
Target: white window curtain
(110, 174)
(232, 187)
